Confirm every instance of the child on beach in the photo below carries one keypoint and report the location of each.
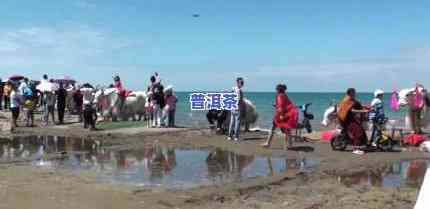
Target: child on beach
(29, 107)
(376, 115)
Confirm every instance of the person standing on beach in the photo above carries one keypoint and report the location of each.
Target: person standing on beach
(376, 115)
(170, 109)
(78, 99)
(49, 106)
(61, 103)
(15, 105)
(234, 128)
(7, 89)
(44, 80)
(416, 106)
(23, 86)
(1, 94)
(285, 117)
(157, 101)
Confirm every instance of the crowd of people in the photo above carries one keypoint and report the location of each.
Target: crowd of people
(350, 115)
(48, 96)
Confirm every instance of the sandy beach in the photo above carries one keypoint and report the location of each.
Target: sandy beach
(321, 186)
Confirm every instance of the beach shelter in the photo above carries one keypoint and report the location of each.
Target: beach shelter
(65, 80)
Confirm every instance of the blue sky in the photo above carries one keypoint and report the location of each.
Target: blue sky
(310, 45)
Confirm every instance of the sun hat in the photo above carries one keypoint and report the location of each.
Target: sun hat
(378, 92)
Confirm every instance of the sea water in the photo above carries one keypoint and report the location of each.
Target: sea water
(264, 102)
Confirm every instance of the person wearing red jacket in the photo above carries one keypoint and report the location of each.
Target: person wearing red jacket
(285, 116)
(122, 91)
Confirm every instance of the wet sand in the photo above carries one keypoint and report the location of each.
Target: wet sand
(23, 186)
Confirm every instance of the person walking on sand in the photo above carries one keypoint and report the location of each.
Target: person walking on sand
(49, 107)
(285, 117)
(61, 103)
(235, 118)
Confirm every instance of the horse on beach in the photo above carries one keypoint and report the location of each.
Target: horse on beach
(109, 104)
(222, 117)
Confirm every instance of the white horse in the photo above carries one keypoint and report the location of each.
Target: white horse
(330, 115)
(134, 105)
(107, 100)
(109, 104)
(249, 117)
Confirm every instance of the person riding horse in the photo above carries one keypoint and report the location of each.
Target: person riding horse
(122, 92)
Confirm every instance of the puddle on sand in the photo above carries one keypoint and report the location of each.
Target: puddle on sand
(150, 165)
(406, 173)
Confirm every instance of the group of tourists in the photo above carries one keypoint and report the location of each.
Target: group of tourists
(48, 95)
(22, 95)
(161, 103)
(349, 113)
(285, 115)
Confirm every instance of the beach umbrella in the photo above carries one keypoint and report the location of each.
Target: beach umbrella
(16, 77)
(87, 85)
(66, 80)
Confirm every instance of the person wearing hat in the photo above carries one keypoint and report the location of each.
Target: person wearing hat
(377, 114)
(122, 91)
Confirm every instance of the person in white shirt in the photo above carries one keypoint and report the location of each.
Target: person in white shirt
(235, 118)
(15, 105)
(22, 86)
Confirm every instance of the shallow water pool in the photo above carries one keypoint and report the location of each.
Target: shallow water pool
(405, 173)
(151, 164)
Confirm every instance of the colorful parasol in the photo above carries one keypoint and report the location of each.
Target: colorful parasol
(16, 77)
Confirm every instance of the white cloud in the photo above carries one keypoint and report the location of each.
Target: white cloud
(37, 47)
(408, 67)
(80, 51)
